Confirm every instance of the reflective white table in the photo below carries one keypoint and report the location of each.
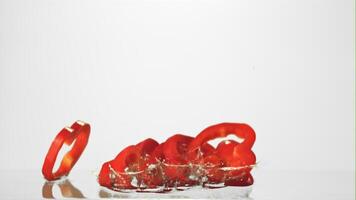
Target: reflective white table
(268, 185)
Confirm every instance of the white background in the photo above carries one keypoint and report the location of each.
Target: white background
(138, 69)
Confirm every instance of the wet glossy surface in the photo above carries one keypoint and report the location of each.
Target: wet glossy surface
(268, 185)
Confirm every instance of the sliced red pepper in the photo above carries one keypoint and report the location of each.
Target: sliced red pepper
(181, 159)
(116, 173)
(243, 131)
(175, 148)
(126, 160)
(238, 160)
(147, 146)
(78, 132)
(226, 148)
(232, 153)
(145, 149)
(236, 155)
(105, 177)
(157, 154)
(133, 156)
(207, 149)
(212, 166)
(154, 175)
(243, 180)
(176, 167)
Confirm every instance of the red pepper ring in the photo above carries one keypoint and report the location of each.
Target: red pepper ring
(79, 133)
(176, 166)
(243, 131)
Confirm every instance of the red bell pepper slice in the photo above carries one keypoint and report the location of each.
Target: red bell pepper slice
(238, 160)
(243, 180)
(243, 131)
(105, 177)
(226, 148)
(116, 173)
(157, 154)
(212, 165)
(235, 155)
(153, 175)
(132, 157)
(175, 149)
(176, 167)
(145, 148)
(232, 153)
(78, 132)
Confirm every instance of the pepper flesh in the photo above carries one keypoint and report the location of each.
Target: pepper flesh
(132, 159)
(237, 156)
(181, 159)
(176, 164)
(243, 131)
(79, 134)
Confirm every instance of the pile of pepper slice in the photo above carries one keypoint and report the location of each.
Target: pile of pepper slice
(180, 161)
(184, 161)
